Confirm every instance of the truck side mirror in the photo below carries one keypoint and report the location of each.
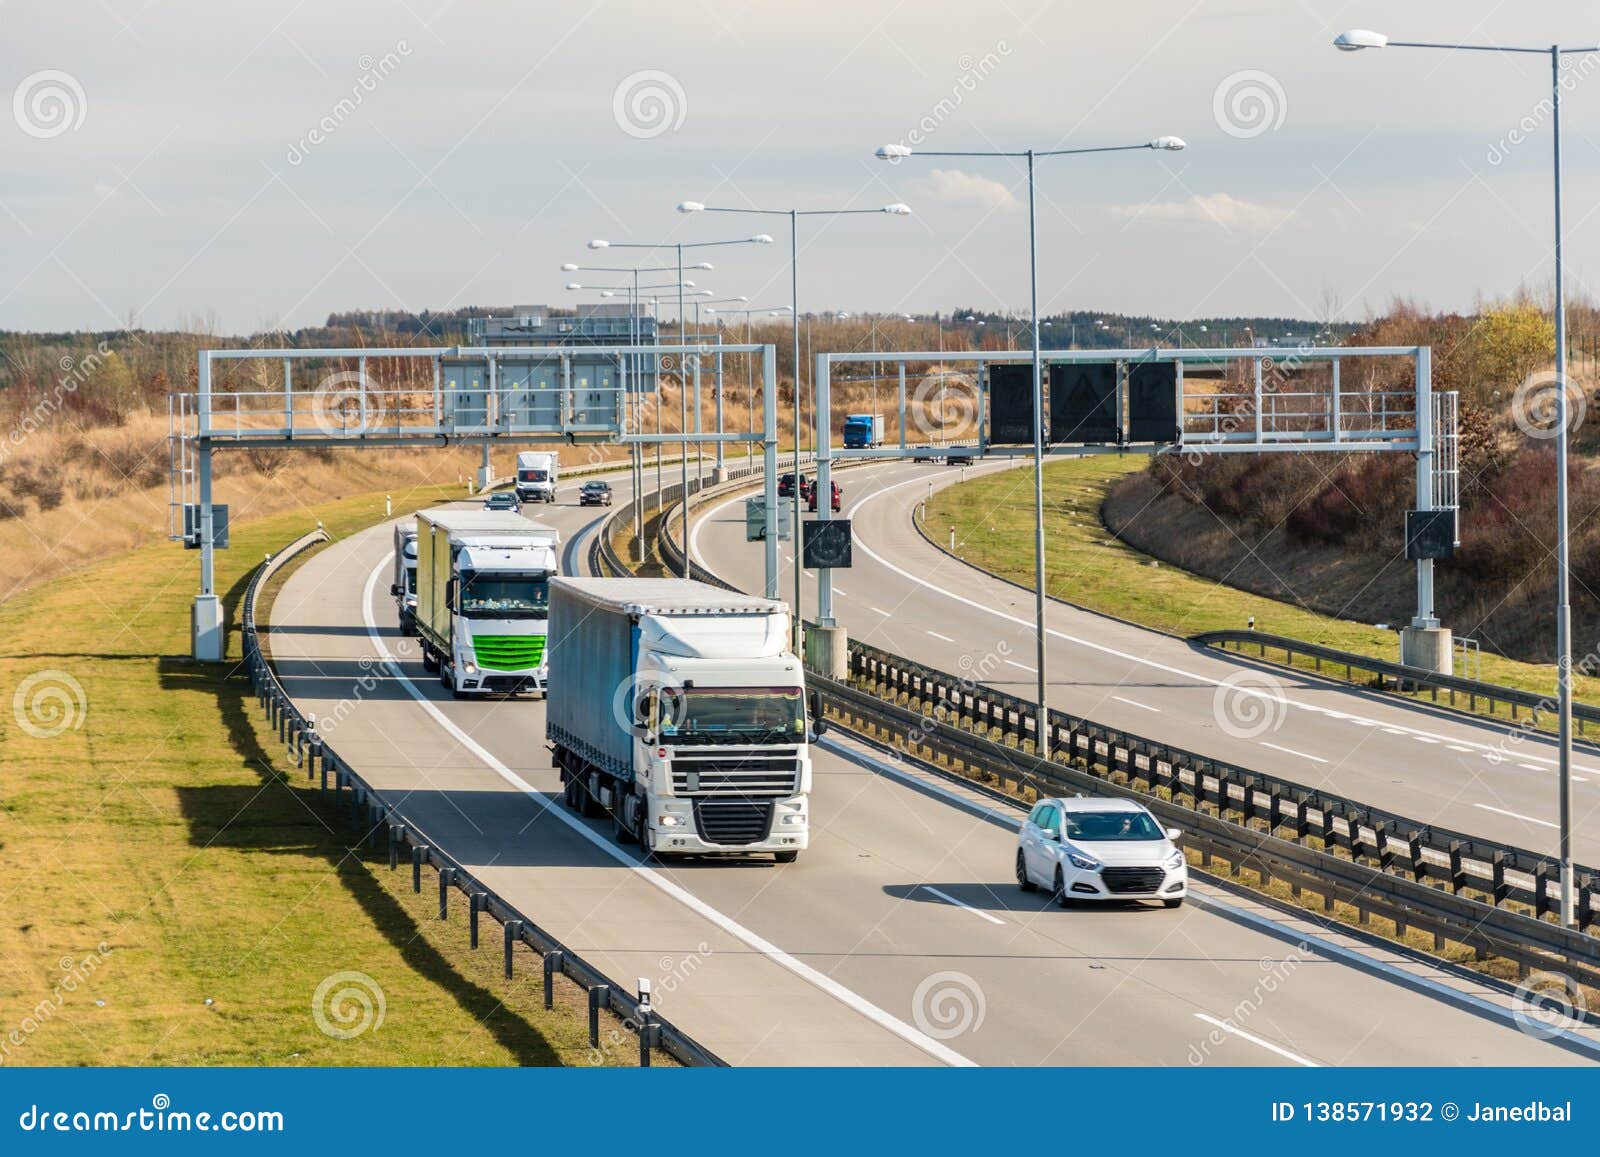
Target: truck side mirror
(394, 590)
(819, 722)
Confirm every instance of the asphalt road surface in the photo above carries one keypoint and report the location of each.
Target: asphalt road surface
(899, 937)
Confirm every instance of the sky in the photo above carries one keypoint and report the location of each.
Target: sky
(262, 163)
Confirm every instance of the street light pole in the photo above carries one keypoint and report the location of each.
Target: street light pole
(1353, 41)
(899, 210)
(900, 152)
(683, 429)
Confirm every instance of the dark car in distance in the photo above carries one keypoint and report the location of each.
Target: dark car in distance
(594, 494)
(503, 500)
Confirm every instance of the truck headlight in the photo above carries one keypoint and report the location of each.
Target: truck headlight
(411, 600)
(669, 821)
(1176, 861)
(469, 667)
(795, 818)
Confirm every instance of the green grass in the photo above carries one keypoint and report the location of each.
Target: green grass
(1084, 564)
(164, 824)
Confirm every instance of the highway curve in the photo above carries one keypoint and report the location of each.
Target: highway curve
(1430, 765)
(899, 938)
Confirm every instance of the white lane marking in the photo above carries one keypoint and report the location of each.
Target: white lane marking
(1426, 739)
(1531, 767)
(1516, 815)
(1023, 666)
(688, 899)
(949, 899)
(937, 635)
(1091, 645)
(1293, 752)
(1253, 1039)
(1136, 703)
(1458, 747)
(880, 611)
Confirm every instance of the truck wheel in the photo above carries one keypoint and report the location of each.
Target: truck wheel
(619, 819)
(588, 807)
(569, 793)
(430, 661)
(786, 857)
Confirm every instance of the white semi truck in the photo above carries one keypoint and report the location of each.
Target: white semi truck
(536, 476)
(404, 585)
(483, 599)
(680, 709)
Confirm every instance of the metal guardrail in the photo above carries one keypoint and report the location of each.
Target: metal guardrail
(1368, 880)
(1455, 886)
(370, 814)
(1390, 676)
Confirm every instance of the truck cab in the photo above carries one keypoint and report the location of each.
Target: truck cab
(863, 431)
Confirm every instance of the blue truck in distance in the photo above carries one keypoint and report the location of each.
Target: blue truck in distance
(863, 431)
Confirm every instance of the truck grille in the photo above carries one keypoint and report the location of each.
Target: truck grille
(1132, 880)
(508, 652)
(732, 822)
(738, 772)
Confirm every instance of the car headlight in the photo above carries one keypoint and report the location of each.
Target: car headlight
(1079, 860)
(1176, 860)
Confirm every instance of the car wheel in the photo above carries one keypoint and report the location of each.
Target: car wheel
(1024, 881)
(1178, 903)
(1061, 889)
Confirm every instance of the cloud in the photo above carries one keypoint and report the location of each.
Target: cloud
(970, 189)
(1214, 209)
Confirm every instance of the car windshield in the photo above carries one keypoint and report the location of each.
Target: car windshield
(732, 715)
(595, 486)
(505, 596)
(1107, 827)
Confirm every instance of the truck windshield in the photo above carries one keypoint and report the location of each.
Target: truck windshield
(533, 475)
(500, 595)
(411, 580)
(733, 715)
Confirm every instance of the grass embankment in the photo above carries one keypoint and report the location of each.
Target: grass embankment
(1086, 565)
(163, 823)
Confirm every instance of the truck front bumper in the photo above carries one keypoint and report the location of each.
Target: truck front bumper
(710, 826)
(503, 682)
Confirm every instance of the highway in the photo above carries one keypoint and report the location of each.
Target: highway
(908, 597)
(899, 937)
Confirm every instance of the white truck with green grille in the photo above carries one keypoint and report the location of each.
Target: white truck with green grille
(483, 599)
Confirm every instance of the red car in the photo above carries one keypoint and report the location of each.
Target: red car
(837, 496)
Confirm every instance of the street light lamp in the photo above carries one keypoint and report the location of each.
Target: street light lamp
(1355, 40)
(901, 152)
(897, 209)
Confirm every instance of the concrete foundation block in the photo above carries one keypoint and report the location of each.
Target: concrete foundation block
(828, 652)
(1430, 648)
